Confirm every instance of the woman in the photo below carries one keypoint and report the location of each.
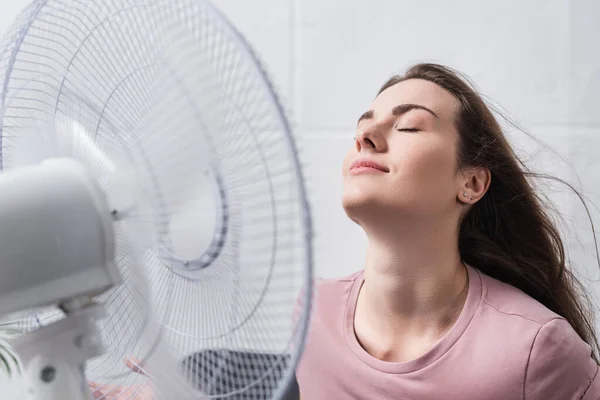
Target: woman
(464, 294)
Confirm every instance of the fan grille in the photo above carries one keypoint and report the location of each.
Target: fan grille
(168, 107)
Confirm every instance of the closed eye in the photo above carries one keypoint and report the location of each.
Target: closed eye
(408, 129)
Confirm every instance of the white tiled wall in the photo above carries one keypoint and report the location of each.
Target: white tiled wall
(538, 59)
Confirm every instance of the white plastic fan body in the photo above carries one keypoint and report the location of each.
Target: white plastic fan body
(56, 247)
(171, 118)
(56, 236)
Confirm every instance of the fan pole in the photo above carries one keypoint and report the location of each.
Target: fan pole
(54, 356)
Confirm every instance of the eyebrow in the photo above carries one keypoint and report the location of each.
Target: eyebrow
(398, 110)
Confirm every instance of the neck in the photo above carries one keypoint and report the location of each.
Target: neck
(413, 278)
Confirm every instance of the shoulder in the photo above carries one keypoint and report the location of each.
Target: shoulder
(559, 364)
(512, 302)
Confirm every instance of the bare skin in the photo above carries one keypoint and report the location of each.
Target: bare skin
(114, 392)
(415, 283)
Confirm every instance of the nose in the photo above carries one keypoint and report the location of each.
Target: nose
(368, 139)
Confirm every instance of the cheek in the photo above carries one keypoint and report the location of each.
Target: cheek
(430, 166)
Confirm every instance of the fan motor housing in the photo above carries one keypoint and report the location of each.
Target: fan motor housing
(56, 236)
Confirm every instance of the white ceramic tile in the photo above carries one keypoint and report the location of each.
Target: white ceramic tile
(583, 155)
(515, 51)
(584, 58)
(571, 155)
(544, 149)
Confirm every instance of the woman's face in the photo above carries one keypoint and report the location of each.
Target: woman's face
(404, 159)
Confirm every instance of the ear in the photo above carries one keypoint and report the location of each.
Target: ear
(473, 184)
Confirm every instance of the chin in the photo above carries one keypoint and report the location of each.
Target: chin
(369, 206)
(360, 205)
(358, 198)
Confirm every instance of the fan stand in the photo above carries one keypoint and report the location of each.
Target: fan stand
(54, 356)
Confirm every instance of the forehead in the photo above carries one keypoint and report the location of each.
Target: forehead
(420, 92)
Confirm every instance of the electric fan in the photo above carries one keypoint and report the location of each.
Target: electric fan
(151, 204)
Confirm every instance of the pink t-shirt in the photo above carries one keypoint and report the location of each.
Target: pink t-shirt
(504, 346)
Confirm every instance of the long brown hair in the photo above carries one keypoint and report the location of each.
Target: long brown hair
(509, 234)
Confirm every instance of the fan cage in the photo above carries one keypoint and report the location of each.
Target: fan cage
(97, 70)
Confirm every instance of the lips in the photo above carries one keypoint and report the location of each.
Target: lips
(366, 163)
